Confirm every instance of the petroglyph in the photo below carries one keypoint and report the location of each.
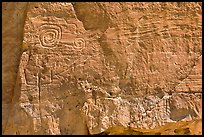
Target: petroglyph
(109, 64)
(56, 48)
(50, 35)
(52, 32)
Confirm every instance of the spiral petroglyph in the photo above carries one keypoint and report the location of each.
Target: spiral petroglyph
(74, 48)
(83, 68)
(50, 35)
(79, 44)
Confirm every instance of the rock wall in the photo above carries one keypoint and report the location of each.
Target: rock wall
(13, 19)
(193, 127)
(89, 66)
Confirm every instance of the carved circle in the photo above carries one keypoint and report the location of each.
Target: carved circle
(50, 35)
(79, 44)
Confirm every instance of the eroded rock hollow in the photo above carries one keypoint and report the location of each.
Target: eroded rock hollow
(81, 68)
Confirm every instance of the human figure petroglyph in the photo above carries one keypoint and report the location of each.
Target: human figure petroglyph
(54, 43)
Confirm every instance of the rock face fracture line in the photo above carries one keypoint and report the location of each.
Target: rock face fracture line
(22, 17)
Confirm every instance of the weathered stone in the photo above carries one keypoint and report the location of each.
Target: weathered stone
(193, 127)
(13, 19)
(90, 66)
(145, 112)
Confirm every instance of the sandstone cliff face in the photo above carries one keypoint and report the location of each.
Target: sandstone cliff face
(89, 66)
(13, 19)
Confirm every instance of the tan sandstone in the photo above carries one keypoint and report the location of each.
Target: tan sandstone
(85, 67)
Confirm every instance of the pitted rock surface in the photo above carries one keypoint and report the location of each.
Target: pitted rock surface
(90, 66)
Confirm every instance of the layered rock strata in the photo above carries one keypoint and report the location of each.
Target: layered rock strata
(89, 66)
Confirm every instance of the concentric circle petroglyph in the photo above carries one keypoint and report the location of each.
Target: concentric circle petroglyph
(50, 35)
(79, 44)
(74, 48)
(136, 66)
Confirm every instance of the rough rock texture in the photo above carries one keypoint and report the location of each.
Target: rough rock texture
(89, 66)
(193, 127)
